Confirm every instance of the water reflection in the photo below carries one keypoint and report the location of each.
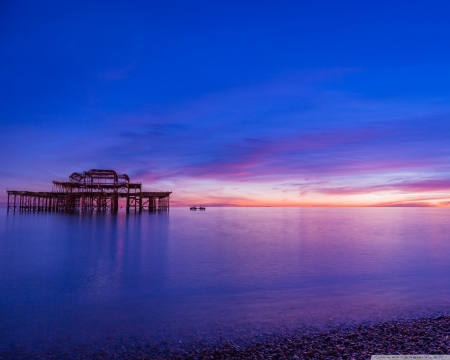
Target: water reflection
(119, 252)
(88, 276)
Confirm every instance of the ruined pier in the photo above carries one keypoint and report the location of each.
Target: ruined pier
(88, 191)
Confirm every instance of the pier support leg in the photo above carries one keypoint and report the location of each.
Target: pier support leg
(115, 203)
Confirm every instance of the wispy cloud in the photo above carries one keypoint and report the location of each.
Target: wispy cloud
(403, 204)
(284, 137)
(420, 186)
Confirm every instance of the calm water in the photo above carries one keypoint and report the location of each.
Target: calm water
(77, 278)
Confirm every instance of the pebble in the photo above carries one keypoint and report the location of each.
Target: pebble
(419, 336)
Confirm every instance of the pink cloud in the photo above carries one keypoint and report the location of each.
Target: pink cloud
(403, 204)
(401, 187)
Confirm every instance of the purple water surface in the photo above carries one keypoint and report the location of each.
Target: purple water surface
(216, 273)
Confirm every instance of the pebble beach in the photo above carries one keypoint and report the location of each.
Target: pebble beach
(418, 336)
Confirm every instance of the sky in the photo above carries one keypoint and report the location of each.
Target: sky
(231, 103)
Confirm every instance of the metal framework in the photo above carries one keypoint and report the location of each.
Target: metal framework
(88, 191)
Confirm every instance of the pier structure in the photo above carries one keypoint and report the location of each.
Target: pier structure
(88, 191)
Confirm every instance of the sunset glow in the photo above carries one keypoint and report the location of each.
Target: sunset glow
(262, 107)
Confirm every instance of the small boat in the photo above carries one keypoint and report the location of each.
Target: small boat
(202, 208)
(193, 208)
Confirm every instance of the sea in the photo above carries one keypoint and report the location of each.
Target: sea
(179, 276)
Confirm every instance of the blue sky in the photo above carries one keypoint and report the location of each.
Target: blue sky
(231, 103)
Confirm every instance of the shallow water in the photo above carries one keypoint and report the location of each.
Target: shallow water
(81, 278)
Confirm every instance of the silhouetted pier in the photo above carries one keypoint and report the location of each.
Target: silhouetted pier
(88, 191)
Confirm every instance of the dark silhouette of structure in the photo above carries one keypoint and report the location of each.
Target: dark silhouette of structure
(90, 190)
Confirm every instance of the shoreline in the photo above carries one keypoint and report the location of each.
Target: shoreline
(430, 335)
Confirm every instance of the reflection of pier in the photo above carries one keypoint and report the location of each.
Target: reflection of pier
(88, 191)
